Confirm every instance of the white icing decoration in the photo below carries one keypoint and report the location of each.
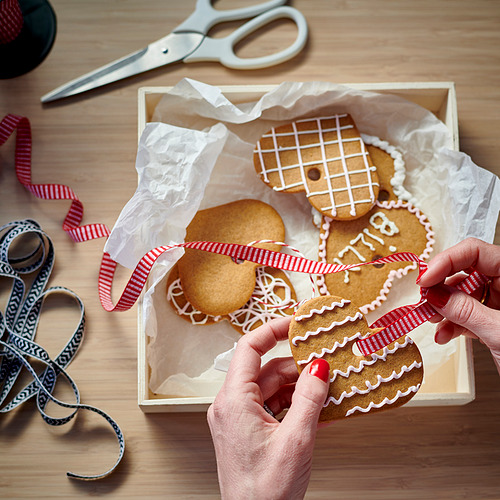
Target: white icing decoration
(398, 273)
(364, 362)
(323, 309)
(376, 238)
(398, 178)
(353, 250)
(347, 271)
(393, 249)
(325, 162)
(385, 401)
(264, 305)
(369, 387)
(321, 329)
(393, 274)
(174, 291)
(386, 223)
(331, 350)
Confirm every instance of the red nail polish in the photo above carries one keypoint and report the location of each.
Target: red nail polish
(321, 369)
(438, 296)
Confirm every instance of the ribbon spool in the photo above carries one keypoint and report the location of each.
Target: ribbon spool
(27, 33)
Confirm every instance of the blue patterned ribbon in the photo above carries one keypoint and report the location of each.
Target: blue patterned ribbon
(18, 326)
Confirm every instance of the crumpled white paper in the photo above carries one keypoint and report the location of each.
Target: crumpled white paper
(198, 153)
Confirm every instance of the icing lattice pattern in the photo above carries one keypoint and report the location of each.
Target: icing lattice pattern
(325, 157)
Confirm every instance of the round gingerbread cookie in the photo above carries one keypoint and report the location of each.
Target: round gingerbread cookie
(390, 227)
(328, 327)
(326, 158)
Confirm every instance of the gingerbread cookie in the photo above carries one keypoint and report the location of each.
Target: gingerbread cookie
(178, 301)
(393, 226)
(328, 327)
(215, 284)
(273, 297)
(326, 158)
(391, 169)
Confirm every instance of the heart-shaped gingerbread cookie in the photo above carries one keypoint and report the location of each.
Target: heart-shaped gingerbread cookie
(390, 227)
(329, 327)
(326, 158)
(216, 284)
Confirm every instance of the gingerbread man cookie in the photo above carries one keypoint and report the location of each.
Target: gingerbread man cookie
(326, 158)
(328, 327)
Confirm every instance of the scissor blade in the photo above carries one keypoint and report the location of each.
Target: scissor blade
(169, 49)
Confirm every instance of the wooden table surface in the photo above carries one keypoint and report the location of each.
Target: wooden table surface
(89, 143)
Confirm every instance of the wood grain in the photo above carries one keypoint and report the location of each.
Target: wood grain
(89, 143)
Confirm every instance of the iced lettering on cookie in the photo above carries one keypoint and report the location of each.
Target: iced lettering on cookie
(386, 226)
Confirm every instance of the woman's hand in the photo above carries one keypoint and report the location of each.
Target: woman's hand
(459, 313)
(257, 456)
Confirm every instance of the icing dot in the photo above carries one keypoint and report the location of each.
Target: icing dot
(393, 249)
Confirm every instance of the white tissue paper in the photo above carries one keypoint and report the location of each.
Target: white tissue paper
(198, 153)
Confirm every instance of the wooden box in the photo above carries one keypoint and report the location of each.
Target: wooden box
(453, 383)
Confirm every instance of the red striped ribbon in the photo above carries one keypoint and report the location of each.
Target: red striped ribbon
(403, 320)
(74, 216)
(395, 324)
(260, 256)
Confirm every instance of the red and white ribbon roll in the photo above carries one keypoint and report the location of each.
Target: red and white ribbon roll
(395, 324)
(11, 20)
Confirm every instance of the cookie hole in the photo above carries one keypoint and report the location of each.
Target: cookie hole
(314, 174)
(355, 349)
(383, 195)
(237, 261)
(378, 265)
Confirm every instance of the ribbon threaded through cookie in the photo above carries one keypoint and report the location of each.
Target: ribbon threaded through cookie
(395, 324)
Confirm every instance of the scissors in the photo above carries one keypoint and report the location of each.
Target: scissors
(189, 42)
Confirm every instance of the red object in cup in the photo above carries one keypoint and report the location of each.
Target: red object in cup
(27, 33)
(11, 20)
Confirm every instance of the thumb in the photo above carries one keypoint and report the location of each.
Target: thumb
(310, 393)
(465, 311)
